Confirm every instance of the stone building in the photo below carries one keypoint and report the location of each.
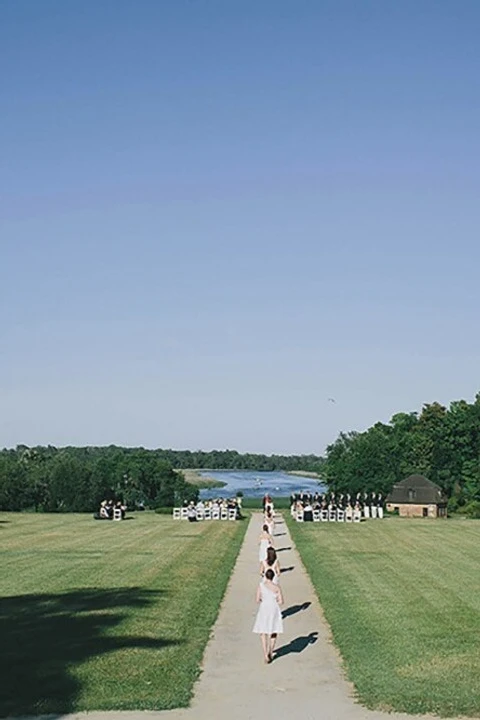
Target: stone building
(417, 497)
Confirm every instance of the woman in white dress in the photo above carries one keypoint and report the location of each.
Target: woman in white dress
(271, 561)
(268, 622)
(269, 521)
(264, 542)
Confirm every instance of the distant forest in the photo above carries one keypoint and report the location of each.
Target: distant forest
(72, 479)
(441, 443)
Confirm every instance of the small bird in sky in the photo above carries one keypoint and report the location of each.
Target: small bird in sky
(332, 400)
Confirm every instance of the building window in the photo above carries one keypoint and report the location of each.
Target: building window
(411, 494)
(425, 512)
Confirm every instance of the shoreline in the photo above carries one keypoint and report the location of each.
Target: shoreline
(304, 473)
(192, 477)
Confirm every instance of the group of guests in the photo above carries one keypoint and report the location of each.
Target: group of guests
(269, 597)
(367, 504)
(214, 506)
(107, 510)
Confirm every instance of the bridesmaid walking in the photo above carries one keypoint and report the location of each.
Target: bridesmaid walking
(269, 521)
(271, 561)
(268, 622)
(264, 542)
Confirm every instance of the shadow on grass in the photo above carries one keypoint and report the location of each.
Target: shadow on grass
(296, 646)
(294, 609)
(44, 636)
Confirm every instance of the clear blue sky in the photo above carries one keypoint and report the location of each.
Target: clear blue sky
(216, 215)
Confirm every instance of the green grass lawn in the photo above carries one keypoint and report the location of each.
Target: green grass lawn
(107, 615)
(402, 598)
(280, 503)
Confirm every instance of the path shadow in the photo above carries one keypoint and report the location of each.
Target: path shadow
(296, 646)
(294, 609)
(287, 569)
(285, 548)
(279, 534)
(46, 636)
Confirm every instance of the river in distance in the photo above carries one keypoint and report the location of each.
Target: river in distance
(256, 484)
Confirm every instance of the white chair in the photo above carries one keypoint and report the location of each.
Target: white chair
(184, 513)
(215, 514)
(207, 514)
(324, 515)
(357, 515)
(340, 515)
(349, 515)
(332, 515)
(373, 511)
(200, 514)
(380, 512)
(316, 516)
(117, 514)
(299, 515)
(232, 514)
(176, 514)
(224, 514)
(366, 511)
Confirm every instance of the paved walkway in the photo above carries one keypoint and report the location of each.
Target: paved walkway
(305, 679)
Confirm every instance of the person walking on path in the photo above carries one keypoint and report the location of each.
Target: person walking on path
(269, 521)
(264, 541)
(271, 561)
(268, 623)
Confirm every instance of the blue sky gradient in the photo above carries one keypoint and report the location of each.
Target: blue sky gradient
(214, 216)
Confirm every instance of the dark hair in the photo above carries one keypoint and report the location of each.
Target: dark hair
(269, 574)
(271, 555)
(265, 528)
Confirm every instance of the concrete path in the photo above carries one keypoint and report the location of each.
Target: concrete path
(305, 680)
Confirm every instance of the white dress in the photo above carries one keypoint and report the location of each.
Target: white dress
(269, 618)
(262, 550)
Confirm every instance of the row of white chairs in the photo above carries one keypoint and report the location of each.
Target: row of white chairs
(207, 514)
(337, 515)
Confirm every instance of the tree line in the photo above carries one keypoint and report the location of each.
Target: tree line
(77, 479)
(441, 443)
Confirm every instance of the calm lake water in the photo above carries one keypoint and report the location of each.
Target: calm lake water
(256, 484)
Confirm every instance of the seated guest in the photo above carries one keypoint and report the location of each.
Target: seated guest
(192, 513)
(308, 512)
(103, 514)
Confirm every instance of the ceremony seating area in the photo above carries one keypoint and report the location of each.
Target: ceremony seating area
(210, 510)
(329, 508)
(110, 510)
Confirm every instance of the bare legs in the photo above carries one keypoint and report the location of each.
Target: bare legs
(268, 645)
(265, 645)
(273, 640)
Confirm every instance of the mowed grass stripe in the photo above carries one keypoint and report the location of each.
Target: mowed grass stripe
(402, 598)
(102, 615)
